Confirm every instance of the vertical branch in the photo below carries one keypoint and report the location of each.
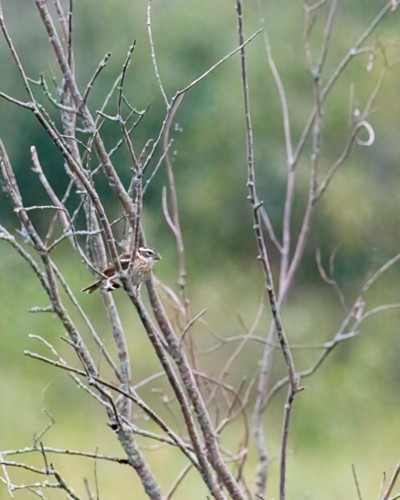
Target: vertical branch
(122, 79)
(177, 230)
(264, 258)
(138, 213)
(119, 336)
(256, 204)
(70, 18)
(316, 73)
(153, 55)
(137, 461)
(280, 88)
(289, 266)
(175, 209)
(259, 435)
(286, 229)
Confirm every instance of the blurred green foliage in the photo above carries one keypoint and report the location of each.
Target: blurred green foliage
(349, 411)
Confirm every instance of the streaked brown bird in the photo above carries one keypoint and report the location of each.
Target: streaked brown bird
(140, 270)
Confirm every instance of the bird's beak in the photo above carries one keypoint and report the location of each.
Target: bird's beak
(157, 256)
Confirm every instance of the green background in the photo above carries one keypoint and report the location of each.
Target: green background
(348, 413)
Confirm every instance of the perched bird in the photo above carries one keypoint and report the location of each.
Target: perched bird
(139, 271)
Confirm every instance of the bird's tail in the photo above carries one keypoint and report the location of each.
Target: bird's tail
(93, 287)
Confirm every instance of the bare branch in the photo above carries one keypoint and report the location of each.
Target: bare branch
(280, 88)
(221, 61)
(392, 482)
(99, 69)
(153, 55)
(353, 469)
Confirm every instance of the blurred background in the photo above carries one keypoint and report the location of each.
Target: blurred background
(348, 413)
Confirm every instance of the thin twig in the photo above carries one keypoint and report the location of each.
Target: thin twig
(392, 482)
(99, 68)
(218, 63)
(353, 469)
(153, 55)
(181, 476)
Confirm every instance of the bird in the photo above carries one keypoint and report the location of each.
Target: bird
(140, 270)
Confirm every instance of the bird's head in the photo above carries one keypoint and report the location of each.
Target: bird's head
(148, 255)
